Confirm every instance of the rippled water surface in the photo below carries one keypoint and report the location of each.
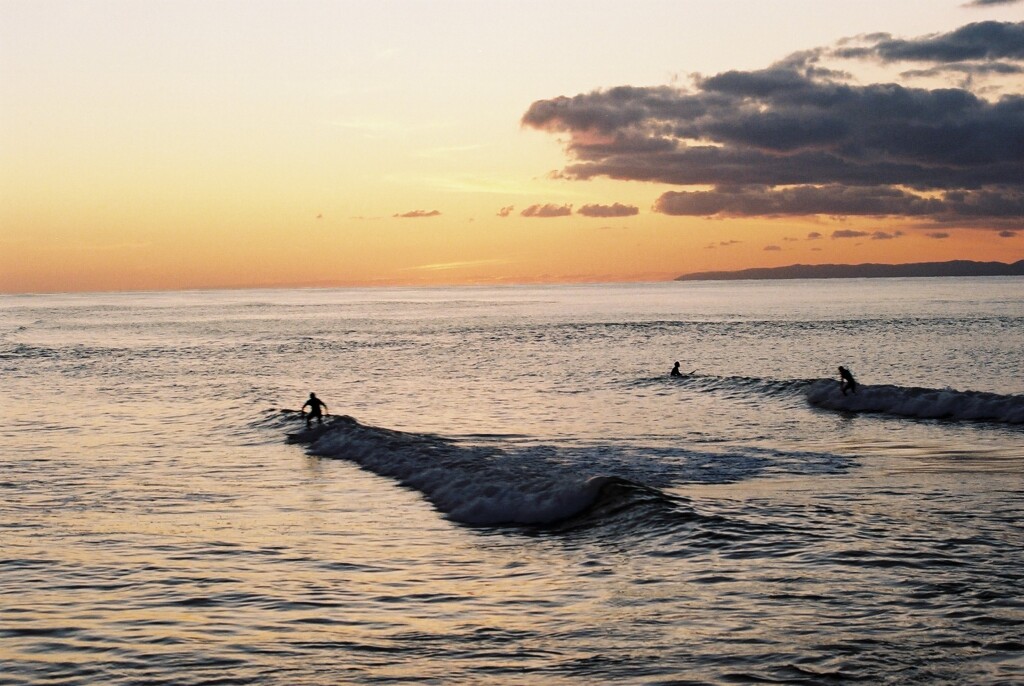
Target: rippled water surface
(511, 489)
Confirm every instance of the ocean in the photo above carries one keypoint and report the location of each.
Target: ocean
(510, 488)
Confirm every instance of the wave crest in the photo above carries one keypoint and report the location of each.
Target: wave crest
(471, 485)
(921, 403)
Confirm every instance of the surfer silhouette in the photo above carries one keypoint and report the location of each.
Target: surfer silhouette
(846, 382)
(314, 404)
(675, 370)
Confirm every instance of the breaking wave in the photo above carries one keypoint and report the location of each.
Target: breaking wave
(474, 485)
(901, 401)
(921, 403)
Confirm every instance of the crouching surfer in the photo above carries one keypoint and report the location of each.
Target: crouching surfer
(316, 407)
(846, 382)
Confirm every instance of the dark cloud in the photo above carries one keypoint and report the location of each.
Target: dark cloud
(506, 211)
(885, 235)
(986, 40)
(988, 3)
(545, 211)
(772, 247)
(796, 139)
(849, 233)
(416, 214)
(813, 236)
(1007, 234)
(937, 234)
(615, 210)
(966, 69)
(799, 200)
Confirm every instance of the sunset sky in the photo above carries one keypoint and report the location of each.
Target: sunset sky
(197, 144)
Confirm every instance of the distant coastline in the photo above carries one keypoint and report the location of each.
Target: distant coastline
(864, 271)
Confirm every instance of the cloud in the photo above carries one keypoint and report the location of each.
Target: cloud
(849, 233)
(506, 211)
(937, 234)
(990, 3)
(1007, 234)
(450, 266)
(1002, 68)
(772, 247)
(986, 40)
(616, 210)
(416, 214)
(885, 236)
(799, 200)
(798, 138)
(545, 211)
(813, 236)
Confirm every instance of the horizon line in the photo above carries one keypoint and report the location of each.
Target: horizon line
(329, 285)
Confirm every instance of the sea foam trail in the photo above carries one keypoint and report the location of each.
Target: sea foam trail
(470, 485)
(922, 403)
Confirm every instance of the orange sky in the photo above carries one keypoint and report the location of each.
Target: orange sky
(174, 145)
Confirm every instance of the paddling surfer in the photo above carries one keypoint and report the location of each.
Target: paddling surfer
(314, 404)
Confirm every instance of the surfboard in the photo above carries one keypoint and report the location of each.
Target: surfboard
(308, 435)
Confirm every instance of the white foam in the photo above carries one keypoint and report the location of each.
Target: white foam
(923, 403)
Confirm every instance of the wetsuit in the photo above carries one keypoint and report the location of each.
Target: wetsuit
(314, 404)
(847, 380)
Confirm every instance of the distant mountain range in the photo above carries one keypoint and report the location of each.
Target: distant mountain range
(865, 271)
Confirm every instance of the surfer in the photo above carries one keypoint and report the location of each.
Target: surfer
(314, 404)
(675, 370)
(846, 381)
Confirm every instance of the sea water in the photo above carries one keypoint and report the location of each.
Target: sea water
(511, 489)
